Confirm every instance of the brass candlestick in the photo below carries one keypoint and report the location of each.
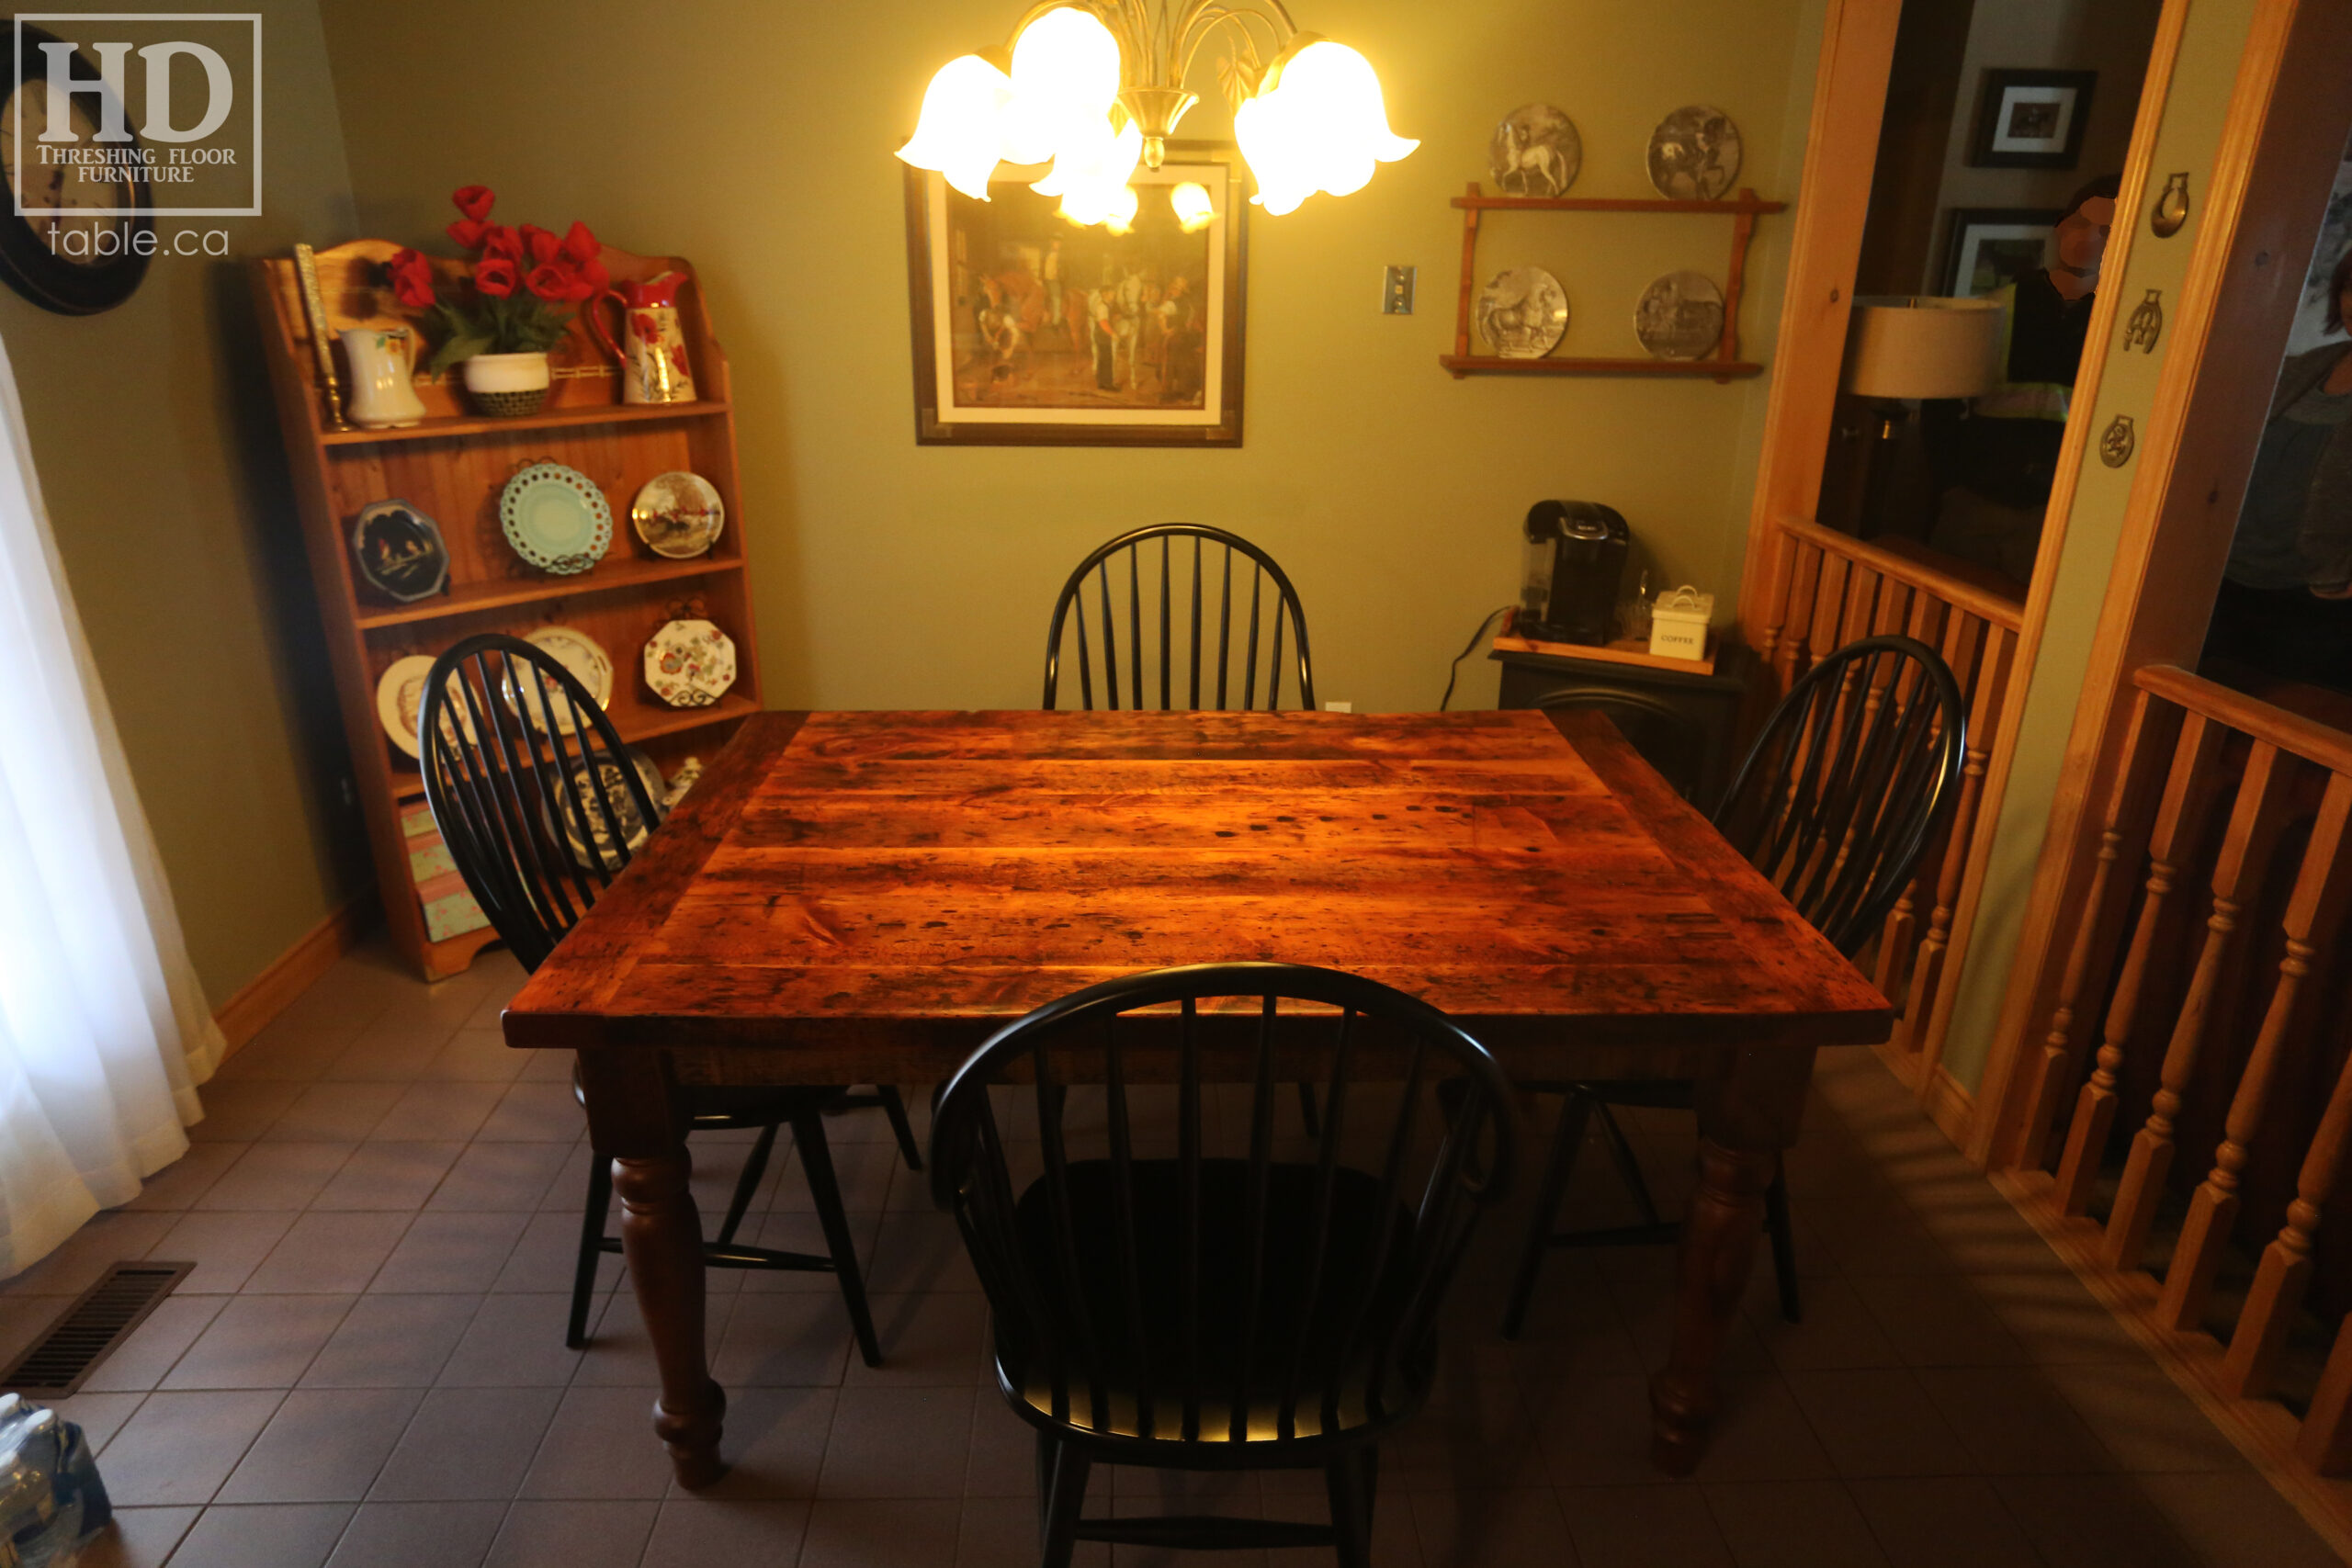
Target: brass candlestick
(306, 267)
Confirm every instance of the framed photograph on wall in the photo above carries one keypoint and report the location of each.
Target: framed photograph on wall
(2032, 119)
(1986, 246)
(1029, 331)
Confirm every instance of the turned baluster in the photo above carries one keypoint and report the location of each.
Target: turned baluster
(1929, 622)
(2130, 797)
(2311, 909)
(2254, 821)
(2188, 791)
(1985, 705)
(1803, 581)
(1776, 598)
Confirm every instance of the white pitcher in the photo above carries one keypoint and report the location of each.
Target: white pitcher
(382, 397)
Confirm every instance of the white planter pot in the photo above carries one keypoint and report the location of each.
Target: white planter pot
(507, 385)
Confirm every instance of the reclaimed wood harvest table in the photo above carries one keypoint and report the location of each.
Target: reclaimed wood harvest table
(861, 898)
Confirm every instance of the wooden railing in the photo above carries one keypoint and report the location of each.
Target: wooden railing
(1828, 590)
(2207, 962)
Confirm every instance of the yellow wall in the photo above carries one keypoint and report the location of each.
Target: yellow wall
(157, 448)
(2194, 108)
(756, 140)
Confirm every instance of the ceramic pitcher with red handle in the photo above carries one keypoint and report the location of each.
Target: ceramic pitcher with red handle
(652, 347)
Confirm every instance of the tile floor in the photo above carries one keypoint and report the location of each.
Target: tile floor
(367, 1368)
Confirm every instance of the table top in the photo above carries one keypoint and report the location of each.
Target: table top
(850, 881)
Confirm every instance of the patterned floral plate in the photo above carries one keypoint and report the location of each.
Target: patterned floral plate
(556, 518)
(690, 664)
(580, 812)
(589, 664)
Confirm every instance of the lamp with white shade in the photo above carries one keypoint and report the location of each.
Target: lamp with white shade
(1904, 348)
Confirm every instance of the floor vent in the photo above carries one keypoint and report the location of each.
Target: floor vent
(88, 1332)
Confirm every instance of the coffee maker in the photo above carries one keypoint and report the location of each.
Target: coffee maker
(1576, 559)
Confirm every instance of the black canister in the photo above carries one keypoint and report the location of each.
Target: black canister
(1576, 559)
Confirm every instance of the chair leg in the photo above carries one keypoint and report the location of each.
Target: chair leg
(593, 1214)
(1306, 1111)
(1348, 1484)
(1784, 1246)
(1566, 1138)
(1062, 1470)
(895, 1110)
(816, 1160)
(754, 1166)
(1629, 1165)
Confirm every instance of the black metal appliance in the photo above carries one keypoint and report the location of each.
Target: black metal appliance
(1575, 561)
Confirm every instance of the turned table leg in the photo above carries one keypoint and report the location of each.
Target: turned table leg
(1745, 1121)
(631, 1112)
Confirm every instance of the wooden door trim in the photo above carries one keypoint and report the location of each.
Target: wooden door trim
(2281, 140)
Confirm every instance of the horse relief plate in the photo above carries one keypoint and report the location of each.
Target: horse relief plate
(400, 697)
(556, 518)
(587, 831)
(690, 664)
(1534, 152)
(584, 657)
(1523, 313)
(679, 515)
(1680, 316)
(1694, 154)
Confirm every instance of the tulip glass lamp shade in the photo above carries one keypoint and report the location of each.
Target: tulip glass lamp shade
(1096, 88)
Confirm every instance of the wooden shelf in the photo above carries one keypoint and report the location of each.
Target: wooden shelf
(608, 576)
(1478, 364)
(1746, 203)
(550, 419)
(635, 721)
(1632, 653)
(1726, 364)
(451, 466)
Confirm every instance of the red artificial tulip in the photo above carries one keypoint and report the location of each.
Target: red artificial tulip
(580, 246)
(412, 277)
(551, 281)
(503, 244)
(474, 201)
(537, 244)
(469, 232)
(494, 276)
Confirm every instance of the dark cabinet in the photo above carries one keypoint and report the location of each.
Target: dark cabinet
(1683, 723)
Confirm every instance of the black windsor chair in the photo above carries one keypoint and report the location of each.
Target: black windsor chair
(1152, 657)
(1856, 772)
(1668, 740)
(1171, 1286)
(519, 804)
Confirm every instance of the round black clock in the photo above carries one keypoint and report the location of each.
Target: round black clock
(75, 239)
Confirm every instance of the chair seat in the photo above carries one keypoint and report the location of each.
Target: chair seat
(1303, 1347)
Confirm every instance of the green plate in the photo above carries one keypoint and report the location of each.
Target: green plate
(556, 518)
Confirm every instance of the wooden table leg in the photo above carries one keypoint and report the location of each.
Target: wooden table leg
(631, 1111)
(1745, 1121)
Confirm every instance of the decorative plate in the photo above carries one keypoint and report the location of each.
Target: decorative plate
(678, 514)
(556, 518)
(1680, 316)
(400, 697)
(581, 813)
(690, 664)
(400, 552)
(1523, 313)
(1534, 152)
(1694, 154)
(589, 664)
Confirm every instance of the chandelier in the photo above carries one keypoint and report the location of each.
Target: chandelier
(1096, 88)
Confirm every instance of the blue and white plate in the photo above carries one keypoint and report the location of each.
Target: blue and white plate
(556, 518)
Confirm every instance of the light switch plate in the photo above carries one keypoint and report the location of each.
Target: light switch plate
(1396, 292)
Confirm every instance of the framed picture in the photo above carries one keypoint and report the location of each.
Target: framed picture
(1989, 246)
(2032, 119)
(1031, 330)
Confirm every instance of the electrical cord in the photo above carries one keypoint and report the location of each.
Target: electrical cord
(1454, 671)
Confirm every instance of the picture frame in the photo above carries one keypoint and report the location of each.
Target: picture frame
(1029, 331)
(1985, 247)
(2031, 119)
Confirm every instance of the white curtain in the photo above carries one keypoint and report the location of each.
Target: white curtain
(104, 1031)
